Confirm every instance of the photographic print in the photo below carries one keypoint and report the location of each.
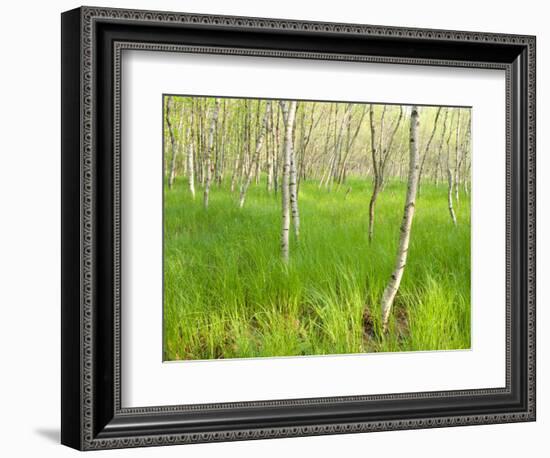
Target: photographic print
(300, 228)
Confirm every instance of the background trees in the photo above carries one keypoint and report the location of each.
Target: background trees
(240, 142)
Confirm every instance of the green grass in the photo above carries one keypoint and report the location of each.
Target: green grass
(228, 295)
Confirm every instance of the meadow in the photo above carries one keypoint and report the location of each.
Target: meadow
(227, 293)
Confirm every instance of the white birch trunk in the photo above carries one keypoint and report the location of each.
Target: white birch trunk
(270, 147)
(376, 186)
(338, 146)
(457, 151)
(190, 161)
(289, 112)
(220, 162)
(255, 159)
(450, 195)
(173, 142)
(175, 152)
(210, 147)
(406, 224)
(438, 166)
(427, 148)
(293, 188)
(450, 177)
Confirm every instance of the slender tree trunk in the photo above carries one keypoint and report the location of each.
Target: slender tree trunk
(203, 147)
(277, 151)
(245, 165)
(349, 146)
(270, 149)
(178, 144)
(450, 177)
(190, 164)
(328, 183)
(221, 159)
(293, 188)
(255, 159)
(450, 195)
(234, 173)
(376, 172)
(238, 154)
(465, 160)
(406, 224)
(303, 163)
(173, 143)
(379, 160)
(335, 173)
(289, 112)
(372, 205)
(328, 155)
(438, 165)
(457, 194)
(208, 159)
(427, 148)
(325, 178)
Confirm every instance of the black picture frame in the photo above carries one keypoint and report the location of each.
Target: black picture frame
(92, 416)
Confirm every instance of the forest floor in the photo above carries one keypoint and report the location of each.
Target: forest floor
(227, 294)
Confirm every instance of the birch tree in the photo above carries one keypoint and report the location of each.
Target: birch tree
(220, 151)
(326, 173)
(173, 142)
(255, 159)
(349, 145)
(438, 167)
(406, 224)
(209, 149)
(293, 190)
(270, 155)
(457, 163)
(305, 139)
(289, 112)
(450, 176)
(464, 157)
(334, 174)
(239, 155)
(380, 154)
(427, 147)
(190, 161)
(276, 134)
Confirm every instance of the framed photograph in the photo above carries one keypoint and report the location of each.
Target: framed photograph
(276, 228)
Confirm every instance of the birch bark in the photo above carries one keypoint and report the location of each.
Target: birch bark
(450, 176)
(349, 146)
(270, 147)
(208, 158)
(427, 148)
(190, 164)
(289, 112)
(335, 173)
(438, 166)
(173, 143)
(457, 164)
(293, 189)
(406, 224)
(220, 160)
(255, 159)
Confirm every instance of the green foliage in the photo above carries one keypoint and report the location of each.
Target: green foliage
(228, 295)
